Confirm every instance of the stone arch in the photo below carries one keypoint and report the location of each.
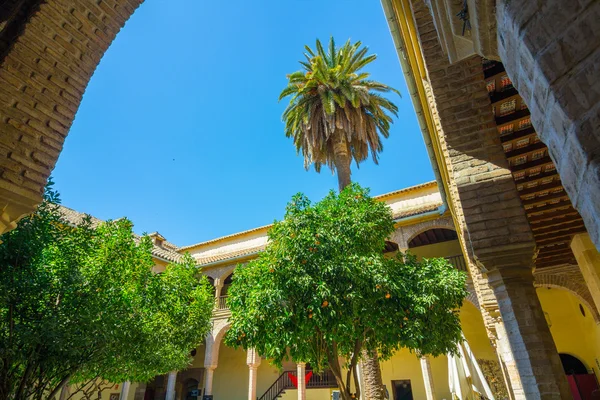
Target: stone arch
(576, 288)
(405, 234)
(472, 297)
(220, 273)
(49, 50)
(213, 342)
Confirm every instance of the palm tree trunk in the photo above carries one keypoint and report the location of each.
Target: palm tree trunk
(342, 160)
(374, 389)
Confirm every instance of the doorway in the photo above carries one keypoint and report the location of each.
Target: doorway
(402, 390)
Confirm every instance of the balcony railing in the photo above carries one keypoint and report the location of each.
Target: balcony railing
(222, 303)
(458, 262)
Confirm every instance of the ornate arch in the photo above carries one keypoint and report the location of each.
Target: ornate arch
(219, 273)
(404, 234)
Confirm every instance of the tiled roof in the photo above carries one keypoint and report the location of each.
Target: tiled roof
(240, 253)
(226, 237)
(417, 210)
(405, 190)
(76, 218)
(381, 197)
(226, 256)
(168, 251)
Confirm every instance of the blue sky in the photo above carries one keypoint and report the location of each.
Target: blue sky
(180, 128)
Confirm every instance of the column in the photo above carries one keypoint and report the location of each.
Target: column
(208, 379)
(427, 378)
(218, 288)
(301, 373)
(531, 344)
(588, 260)
(253, 361)
(507, 362)
(125, 390)
(172, 378)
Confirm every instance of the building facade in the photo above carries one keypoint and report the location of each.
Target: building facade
(425, 228)
(523, 199)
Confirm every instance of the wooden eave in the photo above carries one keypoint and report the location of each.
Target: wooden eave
(551, 215)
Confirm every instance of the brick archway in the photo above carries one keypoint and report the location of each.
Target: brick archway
(49, 50)
(568, 278)
(404, 234)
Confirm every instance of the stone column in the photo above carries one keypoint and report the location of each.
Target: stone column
(218, 288)
(588, 260)
(172, 378)
(253, 361)
(125, 390)
(534, 352)
(208, 379)
(301, 373)
(427, 378)
(507, 361)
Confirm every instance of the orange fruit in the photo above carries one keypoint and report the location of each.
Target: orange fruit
(387, 295)
(309, 315)
(325, 304)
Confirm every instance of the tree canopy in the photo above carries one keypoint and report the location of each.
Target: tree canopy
(80, 302)
(336, 113)
(323, 289)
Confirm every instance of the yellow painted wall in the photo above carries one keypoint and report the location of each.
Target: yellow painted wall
(444, 249)
(572, 332)
(474, 331)
(231, 376)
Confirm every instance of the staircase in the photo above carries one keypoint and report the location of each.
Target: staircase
(320, 381)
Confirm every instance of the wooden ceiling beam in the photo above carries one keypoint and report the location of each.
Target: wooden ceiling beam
(553, 237)
(540, 188)
(537, 177)
(554, 250)
(540, 218)
(556, 261)
(509, 137)
(545, 199)
(530, 148)
(532, 164)
(559, 228)
(558, 222)
(549, 207)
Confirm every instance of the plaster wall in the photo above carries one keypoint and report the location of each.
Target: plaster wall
(572, 332)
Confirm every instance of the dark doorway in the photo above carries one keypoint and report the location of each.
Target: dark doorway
(402, 390)
(572, 365)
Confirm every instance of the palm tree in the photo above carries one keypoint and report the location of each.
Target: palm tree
(336, 114)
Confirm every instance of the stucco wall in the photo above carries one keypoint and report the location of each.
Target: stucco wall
(444, 249)
(572, 332)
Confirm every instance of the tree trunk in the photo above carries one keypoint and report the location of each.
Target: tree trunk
(374, 389)
(342, 159)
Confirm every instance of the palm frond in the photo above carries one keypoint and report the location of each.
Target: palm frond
(330, 97)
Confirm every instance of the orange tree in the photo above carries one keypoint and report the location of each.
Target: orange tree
(323, 290)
